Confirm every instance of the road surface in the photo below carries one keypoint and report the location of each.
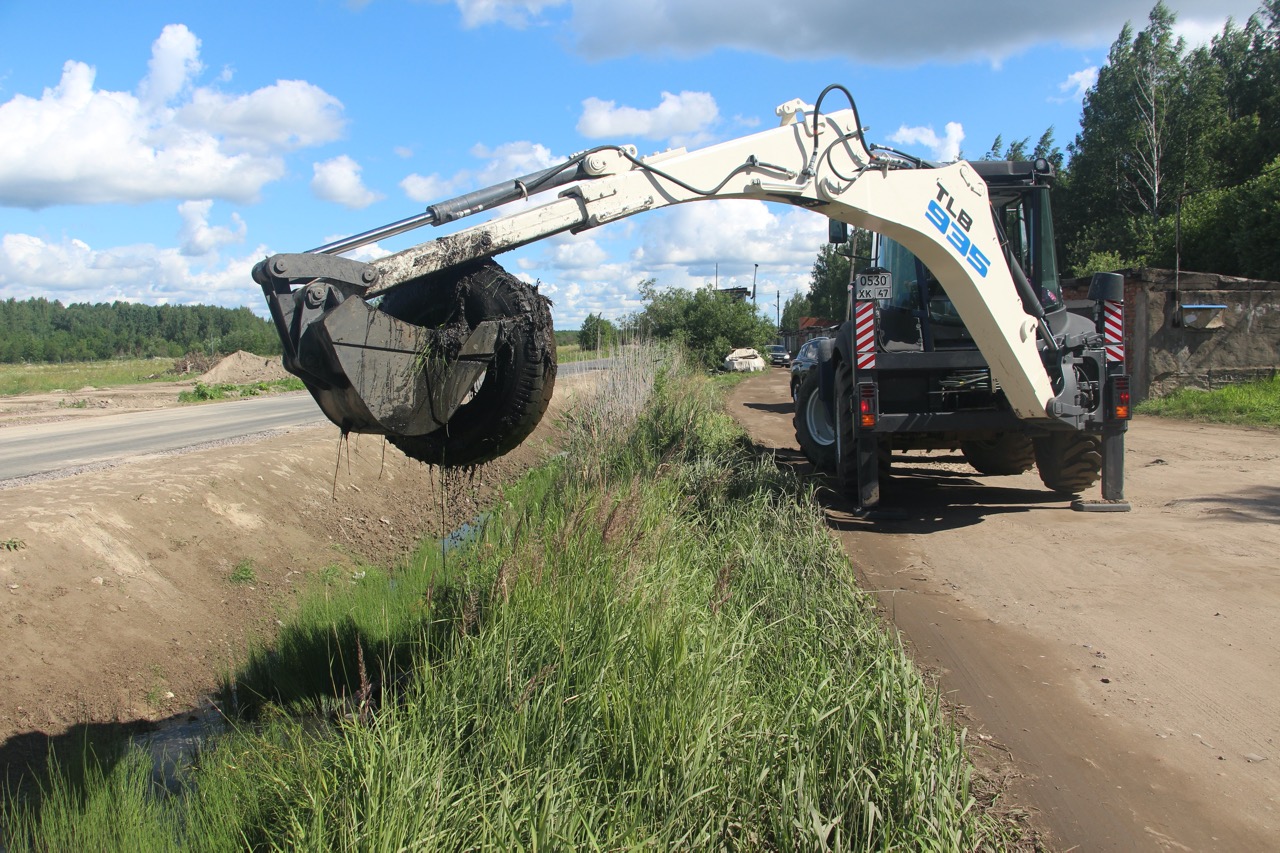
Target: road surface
(27, 451)
(80, 443)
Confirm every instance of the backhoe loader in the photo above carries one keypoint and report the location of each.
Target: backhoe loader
(453, 360)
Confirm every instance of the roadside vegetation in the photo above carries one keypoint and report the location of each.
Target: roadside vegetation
(204, 392)
(651, 642)
(72, 376)
(1250, 403)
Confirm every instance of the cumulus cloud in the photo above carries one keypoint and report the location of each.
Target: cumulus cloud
(1077, 84)
(501, 163)
(338, 180)
(197, 237)
(684, 119)
(945, 148)
(71, 270)
(426, 188)
(513, 13)
(175, 60)
(77, 144)
(685, 246)
(963, 30)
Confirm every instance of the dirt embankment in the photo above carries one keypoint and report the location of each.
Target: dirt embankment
(117, 597)
(1121, 669)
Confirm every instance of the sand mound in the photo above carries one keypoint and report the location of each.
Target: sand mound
(245, 368)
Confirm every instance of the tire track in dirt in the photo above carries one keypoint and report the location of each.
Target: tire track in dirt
(1107, 653)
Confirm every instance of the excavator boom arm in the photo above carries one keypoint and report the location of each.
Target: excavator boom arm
(814, 160)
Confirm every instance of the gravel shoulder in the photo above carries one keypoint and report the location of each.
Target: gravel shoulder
(1119, 670)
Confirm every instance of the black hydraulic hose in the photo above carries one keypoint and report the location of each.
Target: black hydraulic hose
(1030, 302)
(817, 114)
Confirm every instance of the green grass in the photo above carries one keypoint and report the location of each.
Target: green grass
(203, 392)
(1250, 403)
(243, 573)
(654, 644)
(71, 376)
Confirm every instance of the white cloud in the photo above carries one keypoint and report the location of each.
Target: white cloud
(513, 13)
(338, 180)
(504, 162)
(1077, 84)
(287, 115)
(511, 160)
(684, 119)
(175, 60)
(684, 246)
(944, 148)
(964, 30)
(426, 188)
(197, 237)
(73, 271)
(77, 144)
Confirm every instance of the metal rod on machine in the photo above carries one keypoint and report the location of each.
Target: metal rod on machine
(463, 205)
(348, 243)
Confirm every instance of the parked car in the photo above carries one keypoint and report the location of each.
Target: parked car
(778, 356)
(744, 360)
(805, 361)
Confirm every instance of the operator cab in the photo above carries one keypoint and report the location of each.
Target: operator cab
(918, 315)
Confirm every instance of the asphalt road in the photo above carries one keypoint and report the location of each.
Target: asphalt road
(46, 448)
(28, 451)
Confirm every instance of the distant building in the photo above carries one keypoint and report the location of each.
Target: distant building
(808, 329)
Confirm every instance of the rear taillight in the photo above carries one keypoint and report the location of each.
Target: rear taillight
(1118, 398)
(868, 405)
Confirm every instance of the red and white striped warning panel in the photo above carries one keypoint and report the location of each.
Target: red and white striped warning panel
(864, 335)
(1113, 329)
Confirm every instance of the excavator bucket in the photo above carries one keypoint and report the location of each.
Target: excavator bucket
(455, 368)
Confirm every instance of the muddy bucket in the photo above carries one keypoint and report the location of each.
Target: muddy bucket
(454, 368)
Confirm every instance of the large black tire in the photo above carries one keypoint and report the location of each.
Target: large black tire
(516, 388)
(1069, 462)
(814, 430)
(1006, 454)
(846, 435)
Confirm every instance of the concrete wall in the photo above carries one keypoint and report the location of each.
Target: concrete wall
(1168, 348)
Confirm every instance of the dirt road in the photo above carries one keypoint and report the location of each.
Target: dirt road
(1129, 664)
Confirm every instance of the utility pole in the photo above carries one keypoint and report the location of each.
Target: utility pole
(777, 299)
(753, 284)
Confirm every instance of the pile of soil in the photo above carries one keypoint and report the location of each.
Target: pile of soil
(245, 368)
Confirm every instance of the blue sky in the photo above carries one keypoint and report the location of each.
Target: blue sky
(153, 152)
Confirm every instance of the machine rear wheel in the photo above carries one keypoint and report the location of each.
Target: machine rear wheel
(514, 392)
(815, 431)
(1069, 462)
(1006, 454)
(846, 437)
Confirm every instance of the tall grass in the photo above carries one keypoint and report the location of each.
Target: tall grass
(654, 644)
(1253, 403)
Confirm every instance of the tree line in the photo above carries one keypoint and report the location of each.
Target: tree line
(1176, 163)
(1178, 154)
(40, 330)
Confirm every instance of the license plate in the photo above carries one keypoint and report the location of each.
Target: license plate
(869, 286)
